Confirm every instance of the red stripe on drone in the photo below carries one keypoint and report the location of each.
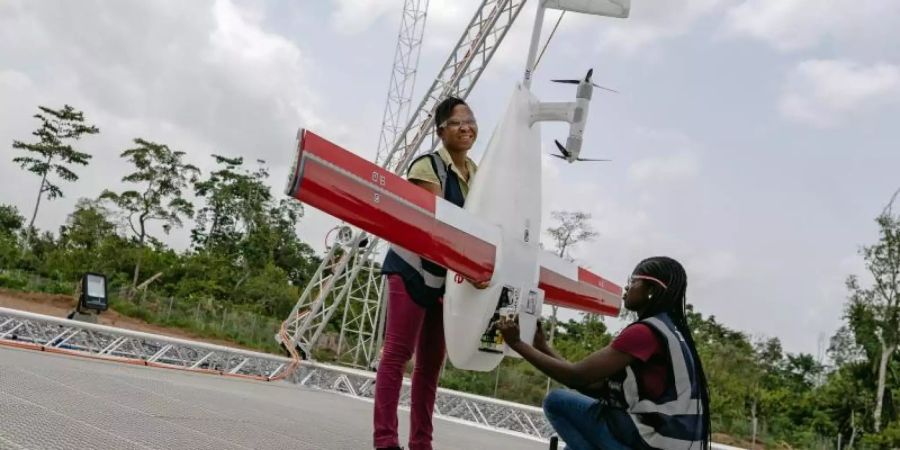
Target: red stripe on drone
(341, 184)
(593, 279)
(563, 291)
(377, 176)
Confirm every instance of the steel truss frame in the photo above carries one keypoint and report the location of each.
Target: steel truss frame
(24, 329)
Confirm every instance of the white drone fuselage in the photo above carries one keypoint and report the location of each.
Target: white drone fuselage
(507, 193)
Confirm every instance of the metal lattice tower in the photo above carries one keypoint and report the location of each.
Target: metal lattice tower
(346, 268)
(403, 75)
(363, 296)
(458, 76)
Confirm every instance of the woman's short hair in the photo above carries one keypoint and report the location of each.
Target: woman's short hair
(445, 109)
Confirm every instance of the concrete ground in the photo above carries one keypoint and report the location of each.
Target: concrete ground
(50, 401)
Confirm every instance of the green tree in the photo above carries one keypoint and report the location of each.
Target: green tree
(846, 397)
(843, 348)
(572, 228)
(10, 220)
(242, 221)
(53, 152)
(162, 175)
(87, 226)
(286, 249)
(235, 201)
(732, 369)
(88, 242)
(880, 302)
(10, 224)
(577, 339)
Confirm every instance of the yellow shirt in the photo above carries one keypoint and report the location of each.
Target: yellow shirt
(422, 170)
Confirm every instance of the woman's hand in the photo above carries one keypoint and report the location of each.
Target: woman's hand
(509, 328)
(540, 342)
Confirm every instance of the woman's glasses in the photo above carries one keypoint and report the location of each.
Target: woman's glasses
(456, 123)
(634, 278)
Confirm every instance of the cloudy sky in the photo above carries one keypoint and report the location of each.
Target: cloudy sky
(754, 140)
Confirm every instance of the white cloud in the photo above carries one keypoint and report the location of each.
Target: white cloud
(14, 80)
(355, 16)
(665, 169)
(202, 77)
(796, 24)
(651, 22)
(446, 21)
(712, 267)
(823, 92)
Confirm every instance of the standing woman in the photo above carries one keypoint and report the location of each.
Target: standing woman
(415, 320)
(645, 390)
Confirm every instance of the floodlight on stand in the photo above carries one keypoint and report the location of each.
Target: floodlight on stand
(93, 293)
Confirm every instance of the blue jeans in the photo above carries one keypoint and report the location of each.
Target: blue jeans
(578, 421)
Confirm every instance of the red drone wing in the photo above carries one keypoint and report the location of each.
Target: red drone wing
(358, 192)
(570, 286)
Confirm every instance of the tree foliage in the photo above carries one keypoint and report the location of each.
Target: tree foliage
(10, 224)
(53, 151)
(572, 227)
(241, 222)
(162, 176)
(874, 311)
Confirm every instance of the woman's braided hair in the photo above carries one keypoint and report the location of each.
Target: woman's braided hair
(672, 300)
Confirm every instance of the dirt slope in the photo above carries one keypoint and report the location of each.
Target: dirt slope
(61, 305)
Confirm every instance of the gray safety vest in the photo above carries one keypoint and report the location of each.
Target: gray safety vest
(674, 420)
(423, 279)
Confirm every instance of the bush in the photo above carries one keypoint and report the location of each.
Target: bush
(9, 251)
(13, 280)
(268, 290)
(888, 438)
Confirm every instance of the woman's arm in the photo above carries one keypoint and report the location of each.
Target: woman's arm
(428, 186)
(592, 369)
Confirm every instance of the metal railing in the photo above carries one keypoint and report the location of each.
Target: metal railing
(25, 329)
(20, 328)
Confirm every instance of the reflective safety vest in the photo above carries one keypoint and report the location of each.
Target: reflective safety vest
(674, 420)
(423, 279)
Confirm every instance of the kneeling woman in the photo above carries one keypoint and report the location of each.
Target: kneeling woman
(647, 389)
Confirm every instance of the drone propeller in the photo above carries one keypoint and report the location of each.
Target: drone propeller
(586, 79)
(565, 154)
(578, 81)
(593, 160)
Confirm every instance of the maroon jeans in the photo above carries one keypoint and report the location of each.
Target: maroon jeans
(410, 329)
